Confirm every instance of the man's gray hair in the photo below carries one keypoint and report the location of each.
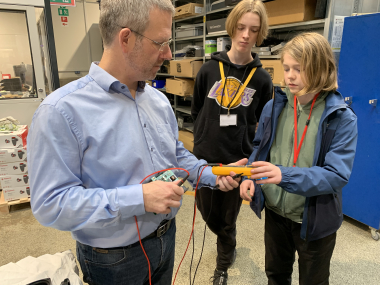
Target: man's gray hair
(133, 14)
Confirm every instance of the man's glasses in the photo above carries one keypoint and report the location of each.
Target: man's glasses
(162, 46)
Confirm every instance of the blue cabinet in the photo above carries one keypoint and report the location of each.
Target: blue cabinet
(359, 83)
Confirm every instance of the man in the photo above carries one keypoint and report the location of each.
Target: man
(92, 142)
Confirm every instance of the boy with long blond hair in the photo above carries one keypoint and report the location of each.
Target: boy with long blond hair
(304, 151)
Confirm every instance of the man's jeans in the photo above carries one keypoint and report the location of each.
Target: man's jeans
(128, 265)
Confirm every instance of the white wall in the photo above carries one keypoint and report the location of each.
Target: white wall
(79, 43)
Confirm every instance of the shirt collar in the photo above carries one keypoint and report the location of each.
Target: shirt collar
(104, 79)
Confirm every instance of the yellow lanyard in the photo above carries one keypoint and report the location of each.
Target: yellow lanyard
(238, 95)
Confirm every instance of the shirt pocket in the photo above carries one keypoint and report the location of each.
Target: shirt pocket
(167, 140)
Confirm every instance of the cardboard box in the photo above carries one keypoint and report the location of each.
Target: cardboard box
(11, 181)
(290, 11)
(188, 10)
(275, 69)
(185, 67)
(187, 138)
(12, 154)
(16, 193)
(221, 43)
(13, 168)
(14, 139)
(180, 86)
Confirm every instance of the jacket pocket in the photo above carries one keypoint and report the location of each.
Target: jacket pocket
(108, 258)
(324, 215)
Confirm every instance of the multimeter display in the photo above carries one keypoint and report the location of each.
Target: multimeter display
(167, 176)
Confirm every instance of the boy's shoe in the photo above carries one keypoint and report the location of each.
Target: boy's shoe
(220, 277)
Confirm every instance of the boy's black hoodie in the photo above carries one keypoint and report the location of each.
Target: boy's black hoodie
(227, 144)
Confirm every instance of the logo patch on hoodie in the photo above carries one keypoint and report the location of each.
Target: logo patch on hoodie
(232, 86)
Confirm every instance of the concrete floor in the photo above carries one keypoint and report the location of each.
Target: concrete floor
(355, 260)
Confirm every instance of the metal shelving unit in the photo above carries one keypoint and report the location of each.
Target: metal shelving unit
(188, 19)
(270, 56)
(183, 2)
(220, 10)
(164, 74)
(189, 38)
(320, 23)
(190, 129)
(282, 30)
(186, 110)
(261, 57)
(215, 35)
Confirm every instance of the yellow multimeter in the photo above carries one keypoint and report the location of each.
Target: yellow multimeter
(226, 169)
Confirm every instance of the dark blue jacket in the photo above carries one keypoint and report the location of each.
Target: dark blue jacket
(322, 183)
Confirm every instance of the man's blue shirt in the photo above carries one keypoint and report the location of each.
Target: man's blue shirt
(90, 145)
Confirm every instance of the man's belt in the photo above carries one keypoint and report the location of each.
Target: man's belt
(161, 230)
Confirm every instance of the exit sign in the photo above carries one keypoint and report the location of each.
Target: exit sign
(70, 3)
(63, 11)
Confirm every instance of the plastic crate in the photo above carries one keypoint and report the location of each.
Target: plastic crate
(189, 31)
(158, 83)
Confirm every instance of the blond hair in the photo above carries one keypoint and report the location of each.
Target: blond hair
(133, 14)
(245, 6)
(314, 54)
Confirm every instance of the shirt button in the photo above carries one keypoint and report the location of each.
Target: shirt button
(151, 149)
(144, 125)
(122, 87)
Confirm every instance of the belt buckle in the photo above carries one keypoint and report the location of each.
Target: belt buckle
(161, 230)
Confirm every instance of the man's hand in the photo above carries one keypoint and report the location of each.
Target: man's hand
(227, 183)
(159, 196)
(244, 187)
(269, 171)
